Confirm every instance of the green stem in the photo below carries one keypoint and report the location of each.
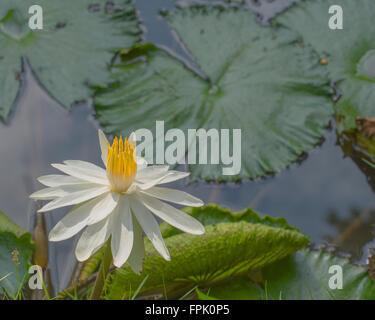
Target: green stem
(102, 274)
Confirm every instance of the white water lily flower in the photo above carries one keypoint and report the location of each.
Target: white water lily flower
(119, 201)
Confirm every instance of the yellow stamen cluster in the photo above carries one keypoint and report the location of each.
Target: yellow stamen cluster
(121, 164)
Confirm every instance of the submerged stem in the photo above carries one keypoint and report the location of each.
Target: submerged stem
(102, 274)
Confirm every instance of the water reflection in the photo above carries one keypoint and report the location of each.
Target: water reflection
(352, 232)
(359, 148)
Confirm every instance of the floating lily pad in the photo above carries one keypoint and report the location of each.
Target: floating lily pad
(350, 52)
(302, 276)
(13, 242)
(305, 275)
(74, 48)
(212, 214)
(256, 79)
(225, 250)
(265, 9)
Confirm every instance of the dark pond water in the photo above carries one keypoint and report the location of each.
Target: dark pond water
(329, 195)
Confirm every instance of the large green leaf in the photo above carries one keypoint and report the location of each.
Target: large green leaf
(73, 49)
(240, 288)
(13, 239)
(350, 52)
(212, 214)
(256, 79)
(225, 250)
(265, 9)
(305, 275)
(302, 276)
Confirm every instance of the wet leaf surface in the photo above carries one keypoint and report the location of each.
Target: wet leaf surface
(225, 250)
(262, 82)
(303, 276)
(73, 49)
(350, 52)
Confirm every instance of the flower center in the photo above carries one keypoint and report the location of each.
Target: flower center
(121, 164)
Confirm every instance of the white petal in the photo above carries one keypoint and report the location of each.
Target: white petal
(122, 233)
(99, 211)
(89, 167)
(132, 138)
(137, 254)
(92, 239)
(131, 189)
(150, 227)
(173, 176)
(151, 172)
(104, 208)
(147, 185)
(75, 198)
(175, 196)
(75, 220)
(84, 174)
(55, 180)
(61, 191)
(48, 194)
(103, 146)
(161, 178)
(141, 163)
(157, 175)
(171, 215)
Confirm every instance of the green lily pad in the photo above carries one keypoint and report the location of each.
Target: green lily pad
(74, 48)
(13, 240)
(350, 52)
(225, 250)
(247, 77)
(212, 214)
(302, 276)
(305, 275)
(265, 9)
